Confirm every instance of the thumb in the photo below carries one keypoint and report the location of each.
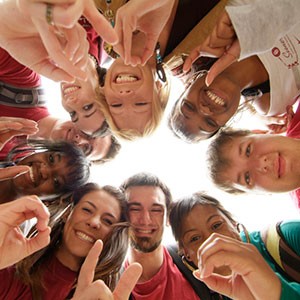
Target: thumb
(127, 281)
(41, 240)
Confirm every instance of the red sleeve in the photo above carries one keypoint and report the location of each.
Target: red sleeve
(294, 127)
(12, 72)
(95, 41)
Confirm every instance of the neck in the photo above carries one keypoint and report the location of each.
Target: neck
(151, 262)
(8, 192)
(247, 73)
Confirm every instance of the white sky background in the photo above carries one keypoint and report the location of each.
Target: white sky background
(183, 168)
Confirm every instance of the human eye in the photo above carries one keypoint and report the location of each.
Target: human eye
(116, 105)
(141, 103)
(157, 210)
(134, 209)
(210, 122)
(194, 238)
(73, 116)
(51, 158)
(248, 150)
(88, 107)
(86, 148)
(216, 225)
(189, 106)
(247, 178)
(108, 221)
(86, 209)
(56, 183)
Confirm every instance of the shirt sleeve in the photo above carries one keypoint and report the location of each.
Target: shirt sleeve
(275, 17)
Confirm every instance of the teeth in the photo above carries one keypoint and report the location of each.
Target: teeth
(31, 175)
(84, 237)
(218, 100)
(126, 78)
(70, 90)
(144, 231)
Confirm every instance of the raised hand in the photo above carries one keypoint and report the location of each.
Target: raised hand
(148, 17)
(58, 50)
(222, 42)
(251, 277)
(13, 245)
(10, 127)
(87, 289)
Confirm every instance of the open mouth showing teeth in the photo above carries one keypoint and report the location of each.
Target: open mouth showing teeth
(84, 237)
(216, 99)
(124, 78)
(31, 175)
(70, 90)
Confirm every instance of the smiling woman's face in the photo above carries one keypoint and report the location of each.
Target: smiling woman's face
(91, 219)
(78, 99)
(129, 93)
(203, 110)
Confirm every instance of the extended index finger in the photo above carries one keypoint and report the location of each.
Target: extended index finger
(229, 57)
(86, 275)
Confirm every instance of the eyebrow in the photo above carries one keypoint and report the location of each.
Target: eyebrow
(95, 207)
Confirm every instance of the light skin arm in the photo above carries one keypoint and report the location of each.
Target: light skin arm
(58, 52)
(148, 17)
(10, 127)
(13, 245)
(87, 289)
(251, 278)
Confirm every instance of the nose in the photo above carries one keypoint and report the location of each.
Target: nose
(204, 108)
(78, 139)
(71, 99)
(44, 171)
(125, 91)
(94, 222)
(145, 217)
(262, 164)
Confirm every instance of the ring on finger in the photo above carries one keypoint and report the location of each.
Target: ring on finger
(49, 14)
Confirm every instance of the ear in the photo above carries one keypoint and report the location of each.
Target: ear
(186, 254)
(158, 84)
(259, 131)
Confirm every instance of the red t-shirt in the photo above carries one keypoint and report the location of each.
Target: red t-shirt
(167, 283)
(294, 131)
(58, 281)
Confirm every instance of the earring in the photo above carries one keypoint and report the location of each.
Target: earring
(159, 64)
(241, 228)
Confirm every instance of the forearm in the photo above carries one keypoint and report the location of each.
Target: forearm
(270, 18)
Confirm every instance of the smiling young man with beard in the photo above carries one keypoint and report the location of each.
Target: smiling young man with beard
(149, 202)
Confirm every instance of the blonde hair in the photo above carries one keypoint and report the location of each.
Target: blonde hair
(159, 104)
